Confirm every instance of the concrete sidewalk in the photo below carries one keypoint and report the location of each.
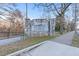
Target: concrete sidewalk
(53, 48)
(50, 48)
(65, 38)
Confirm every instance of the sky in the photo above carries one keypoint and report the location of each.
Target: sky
(21, 7)
(34, 12)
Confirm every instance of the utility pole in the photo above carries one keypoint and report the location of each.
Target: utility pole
(75, 16)
(47, 13)
(28, 21)
(49, 27)
(25, 20)
(26, 11)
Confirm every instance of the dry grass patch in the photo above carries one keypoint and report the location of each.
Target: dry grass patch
(75, 41)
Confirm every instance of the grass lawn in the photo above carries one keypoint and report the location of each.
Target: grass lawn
(10, 48)
(75, 41)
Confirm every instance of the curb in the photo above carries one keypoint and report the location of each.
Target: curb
(18, 53)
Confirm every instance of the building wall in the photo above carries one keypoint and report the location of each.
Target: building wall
(39, 27)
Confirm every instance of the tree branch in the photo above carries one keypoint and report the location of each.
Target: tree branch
(66, 6)
(56, 9)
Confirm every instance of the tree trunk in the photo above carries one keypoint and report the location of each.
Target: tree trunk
(48, 27)
(60, 20)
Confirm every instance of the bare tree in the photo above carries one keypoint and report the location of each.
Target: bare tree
(11, 13)
(58, 10)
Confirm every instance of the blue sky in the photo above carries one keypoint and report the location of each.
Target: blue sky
(34, 12)
(21, 7)
(31, 11)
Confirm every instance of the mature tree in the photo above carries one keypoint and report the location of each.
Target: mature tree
(11, 13)
(58, 10)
